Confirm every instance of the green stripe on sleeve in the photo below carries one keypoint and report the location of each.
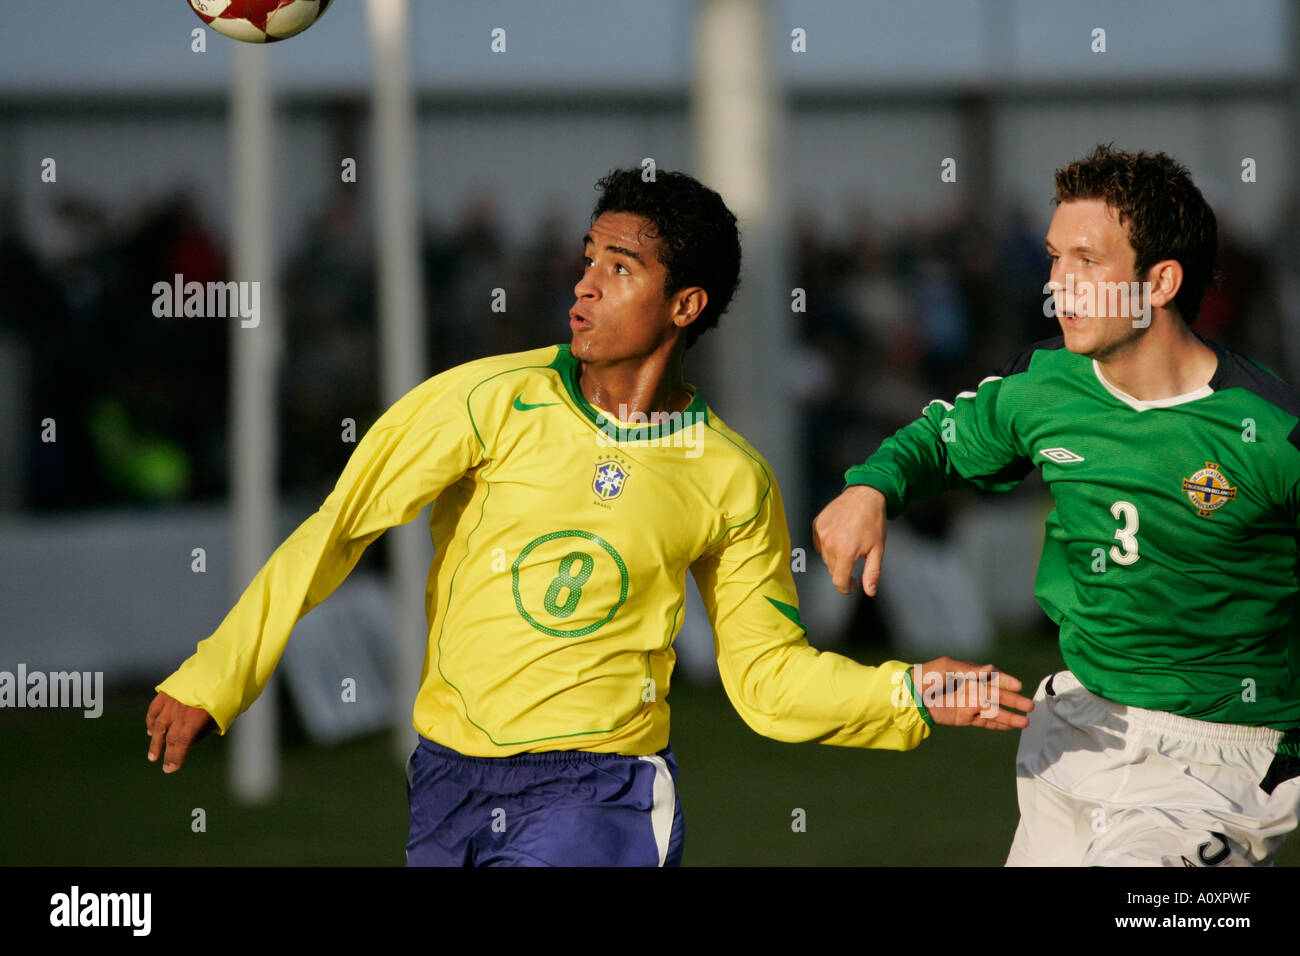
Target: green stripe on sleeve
(916, 696)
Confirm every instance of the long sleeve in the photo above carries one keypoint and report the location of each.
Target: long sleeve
(780, 685)
(970, 443)
(423, 443)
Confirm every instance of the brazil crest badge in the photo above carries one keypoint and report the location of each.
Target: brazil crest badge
(609, 480)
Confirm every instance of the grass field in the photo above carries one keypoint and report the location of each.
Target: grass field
(80, 792)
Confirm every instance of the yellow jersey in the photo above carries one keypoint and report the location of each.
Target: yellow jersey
(563, 536)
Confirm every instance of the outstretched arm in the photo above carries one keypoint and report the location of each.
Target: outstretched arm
(969, 443)
(417, 448)
(788, 690)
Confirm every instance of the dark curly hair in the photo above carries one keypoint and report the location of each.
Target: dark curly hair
(699, 243)
(1166, 215)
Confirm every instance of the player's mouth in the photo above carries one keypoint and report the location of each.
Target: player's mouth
(578, 322)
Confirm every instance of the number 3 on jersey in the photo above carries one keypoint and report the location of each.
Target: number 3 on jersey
(1127, 512)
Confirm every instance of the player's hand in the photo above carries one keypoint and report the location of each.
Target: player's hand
(849, 528)
(959, 694)
(178, 726)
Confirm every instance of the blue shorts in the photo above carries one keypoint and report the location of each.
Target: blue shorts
(565, 808)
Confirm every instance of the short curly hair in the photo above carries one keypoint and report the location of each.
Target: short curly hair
(699, 243)
(1166, 215)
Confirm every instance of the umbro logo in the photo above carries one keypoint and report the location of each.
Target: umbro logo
(1059, 455)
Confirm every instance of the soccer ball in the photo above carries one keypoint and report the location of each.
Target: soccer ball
(259, 21)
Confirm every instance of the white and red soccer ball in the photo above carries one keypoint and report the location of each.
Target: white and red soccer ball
(259, 21)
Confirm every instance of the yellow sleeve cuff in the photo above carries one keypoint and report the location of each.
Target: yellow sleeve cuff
(916, 697)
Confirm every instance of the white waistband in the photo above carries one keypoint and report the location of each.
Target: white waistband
(1159, 721)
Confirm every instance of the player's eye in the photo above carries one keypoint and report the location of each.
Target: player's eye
(623, 267)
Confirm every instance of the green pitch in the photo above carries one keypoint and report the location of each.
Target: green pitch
(80, 792)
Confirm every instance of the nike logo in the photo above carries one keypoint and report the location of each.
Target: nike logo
(521, 405)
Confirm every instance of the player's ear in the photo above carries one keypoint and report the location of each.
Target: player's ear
(1166, 278)
(688, 305)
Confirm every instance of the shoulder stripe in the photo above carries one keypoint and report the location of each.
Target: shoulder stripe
(967, 394)
(1020, 362)
(986, 378)
(1237, 371)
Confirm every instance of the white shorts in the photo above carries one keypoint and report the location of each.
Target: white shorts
(1106, 784)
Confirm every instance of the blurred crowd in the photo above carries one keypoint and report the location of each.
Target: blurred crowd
(894, 318)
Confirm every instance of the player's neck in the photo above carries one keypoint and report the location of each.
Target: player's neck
(641, 385)
(1169, 360)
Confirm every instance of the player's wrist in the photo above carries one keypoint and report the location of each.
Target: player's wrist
(868, 494)
(910, 680)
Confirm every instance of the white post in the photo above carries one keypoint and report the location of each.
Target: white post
(254, 353)
(401, 323)
(737, 119)
(1289, 275)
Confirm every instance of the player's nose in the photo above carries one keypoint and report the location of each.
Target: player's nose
(1056, 277)
(585, 287)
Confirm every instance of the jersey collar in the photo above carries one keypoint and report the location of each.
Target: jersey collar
(567, 366)
(1142, 405)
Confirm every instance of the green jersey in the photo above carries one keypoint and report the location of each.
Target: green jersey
(1170, 559)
